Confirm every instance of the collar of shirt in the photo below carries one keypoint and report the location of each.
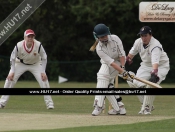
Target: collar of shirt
(109, 39)
(28, 49)
(146, 46)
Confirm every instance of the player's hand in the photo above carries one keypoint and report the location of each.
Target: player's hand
(43, 76)
(126, 76)
(154, 78)
(129, 60)
(10, 77)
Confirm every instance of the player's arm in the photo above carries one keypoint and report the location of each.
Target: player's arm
(131, 54)
(122, 54)
(122, 61)
(44, 63)
(155, 58)
(108, 60)
(44, 59)
(117, 67)
(133, 51)
(12, 63)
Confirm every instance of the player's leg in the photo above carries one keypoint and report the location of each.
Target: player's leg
(142, 72)
(115, 100)
(147, 106)
(19, 70)
(162, 73)
(98, 104)
(102, 82)
(120, 104)
(118, 99)
(35, 70)
(104, 76)
(117, 104)
(4, 98)
(132, 85)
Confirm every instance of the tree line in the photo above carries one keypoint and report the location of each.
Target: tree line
(65, 30)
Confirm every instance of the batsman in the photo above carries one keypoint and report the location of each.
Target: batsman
(154, 66)
(111, 52)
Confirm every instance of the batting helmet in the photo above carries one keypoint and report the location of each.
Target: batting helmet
(101, 30)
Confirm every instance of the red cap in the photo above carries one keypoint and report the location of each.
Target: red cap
(28, 32)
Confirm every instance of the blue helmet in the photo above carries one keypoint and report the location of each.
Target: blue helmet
(101, 30)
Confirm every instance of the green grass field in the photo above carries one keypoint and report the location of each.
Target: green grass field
(34, 84)
(73, 113)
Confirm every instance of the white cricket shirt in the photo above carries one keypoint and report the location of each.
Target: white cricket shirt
(29, 57)
(111, 51)
(152, 54)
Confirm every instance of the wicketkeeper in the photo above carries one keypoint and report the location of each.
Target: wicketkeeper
(28, 55)
(110, 49)
(154, 66)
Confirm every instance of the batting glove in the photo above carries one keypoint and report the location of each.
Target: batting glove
(126, 76)
(129, 60)
(154, 78)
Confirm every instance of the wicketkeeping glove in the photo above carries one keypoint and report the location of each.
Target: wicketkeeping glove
(154, 78)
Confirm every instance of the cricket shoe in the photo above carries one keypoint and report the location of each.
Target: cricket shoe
(1, 106)
(122, 111)
(146, 111)
(50, 107)
(152, 108)
(97, 111)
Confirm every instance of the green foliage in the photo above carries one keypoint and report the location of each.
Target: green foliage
(65, 30)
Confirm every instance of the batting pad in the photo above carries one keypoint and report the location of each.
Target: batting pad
(148, 101)
(132, 85)
(102, 83)
(99, 100)
(113, 102)
(103, 77)
(140, 97)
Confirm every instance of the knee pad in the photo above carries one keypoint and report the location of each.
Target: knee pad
(102, 80)
(103, 76)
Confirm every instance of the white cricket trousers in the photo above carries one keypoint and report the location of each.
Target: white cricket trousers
(145, 73)
(35, 69)
(105, 76)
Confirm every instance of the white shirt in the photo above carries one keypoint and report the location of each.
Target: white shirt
(30, 56)
(152, 54)
(112, 51)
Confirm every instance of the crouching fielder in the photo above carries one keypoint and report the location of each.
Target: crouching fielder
(110, 50)
(27, 56)
(154, 66)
